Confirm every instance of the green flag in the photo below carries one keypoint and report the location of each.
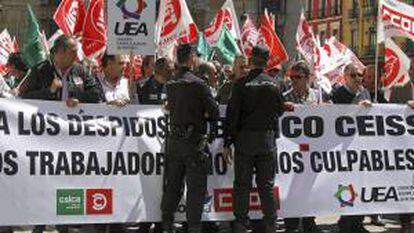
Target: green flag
(203, 48)
(33, 51)
(227, 47)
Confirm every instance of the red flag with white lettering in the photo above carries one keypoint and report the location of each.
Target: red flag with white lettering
(225, 16)
(249, 36)
(395, 18)
(278, 54)
(397, 65)
(174, 25)
(69, 16)
(94, 29)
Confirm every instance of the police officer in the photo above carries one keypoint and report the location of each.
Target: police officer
(191, 106)
(251, 125)
(154, 92)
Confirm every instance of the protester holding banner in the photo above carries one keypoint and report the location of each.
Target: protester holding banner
(253, 109)
(301, 93)
(190, 105)
(61, 78)
(351, 92)
(114, 87)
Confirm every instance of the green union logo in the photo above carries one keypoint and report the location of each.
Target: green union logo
(70, 202)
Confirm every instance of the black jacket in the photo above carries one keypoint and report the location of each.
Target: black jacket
(190, 102)
(152, 92)
(80, 84)
(255, 105)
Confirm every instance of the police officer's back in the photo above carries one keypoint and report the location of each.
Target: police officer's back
(251, 124)
(190, 105)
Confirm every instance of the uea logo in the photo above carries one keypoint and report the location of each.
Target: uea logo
(136, 14)
(346, 195)
(131, 28)
(99, 201)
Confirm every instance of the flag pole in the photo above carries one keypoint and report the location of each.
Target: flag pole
(376, 57)
(376, 72)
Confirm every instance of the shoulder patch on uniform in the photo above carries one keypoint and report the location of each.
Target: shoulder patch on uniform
(256, 83)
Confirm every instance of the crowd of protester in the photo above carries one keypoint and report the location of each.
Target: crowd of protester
(62, 78)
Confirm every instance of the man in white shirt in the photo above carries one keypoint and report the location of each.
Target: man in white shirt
(113, 84)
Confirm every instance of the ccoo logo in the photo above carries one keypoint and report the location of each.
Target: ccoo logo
(99, 201)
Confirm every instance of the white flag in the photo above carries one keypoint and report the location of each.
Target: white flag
(226, 15)
(174, 24)
(395, 19)
(397, 65)
(306, 42)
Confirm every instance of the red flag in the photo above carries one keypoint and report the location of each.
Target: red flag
(94, 29)
(174, 25)
(397, 65)
(269, 38)
(80, 20)
(69, 16)
(249, 36)
(225, 16)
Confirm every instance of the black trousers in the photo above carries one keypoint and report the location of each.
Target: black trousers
(350, 223)
(245, 165)
(293, 223)
(182, 166)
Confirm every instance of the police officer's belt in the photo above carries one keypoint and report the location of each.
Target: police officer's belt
(182, 132)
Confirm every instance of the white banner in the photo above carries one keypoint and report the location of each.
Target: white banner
(395, 19)
(101, 164)
(131, 27)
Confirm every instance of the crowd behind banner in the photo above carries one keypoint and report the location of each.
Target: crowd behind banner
(74, 67)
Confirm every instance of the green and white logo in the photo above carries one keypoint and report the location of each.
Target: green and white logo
(70, 202)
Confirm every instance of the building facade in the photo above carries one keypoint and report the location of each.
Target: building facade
(13, 15)
(360, 30)
(325, 17)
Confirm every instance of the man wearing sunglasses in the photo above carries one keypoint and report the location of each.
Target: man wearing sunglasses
(351, 92)
(300, 92)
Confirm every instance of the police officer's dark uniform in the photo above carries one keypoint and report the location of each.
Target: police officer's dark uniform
(251, 124)
(153, 93)
(191, 106)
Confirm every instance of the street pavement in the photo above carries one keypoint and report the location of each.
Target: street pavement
(328, 225)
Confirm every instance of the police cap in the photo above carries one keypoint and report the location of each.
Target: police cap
(184, 50)
(260, 52)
